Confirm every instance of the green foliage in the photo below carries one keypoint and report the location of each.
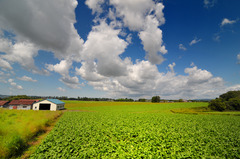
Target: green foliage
(155, 99)
(226, 101)
(17, 97)
(217, 104)
(234, 104)
(124, 100)
(231, 94)
(180, 100)
(118, 132)
(142, 100)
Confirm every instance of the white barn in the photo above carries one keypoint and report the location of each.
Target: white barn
(49, 104)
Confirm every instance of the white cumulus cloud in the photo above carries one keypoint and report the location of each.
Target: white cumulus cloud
(40, 24)
(104, 46)
(26, 78)
(226, 21)
(4, 64)
(95, 5)
(14, 85)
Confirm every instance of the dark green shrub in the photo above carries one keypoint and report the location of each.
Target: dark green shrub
(156, 99)
(234, 103)
(217, 104)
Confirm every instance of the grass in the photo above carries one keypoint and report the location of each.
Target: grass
(18, 127)
(136, 107)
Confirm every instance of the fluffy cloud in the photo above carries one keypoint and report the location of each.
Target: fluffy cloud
(95, 5)
(36, 26)
(144, 16)
(197, 75)
(5, 65)
(105, 70)
(182, 47)
(38, 22)
(14, 85)
(132, 12)
(20, 52)
(26, 78)
(195, 41)
(144, 80)
(226, 21)
(104, 46)
(71, 82)
(152, 41)
(61, 68)
(171, 66)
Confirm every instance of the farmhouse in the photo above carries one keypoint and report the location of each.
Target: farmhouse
(3, 104)
(49, 104)
(24, 104)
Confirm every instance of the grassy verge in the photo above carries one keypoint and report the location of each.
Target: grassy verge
(18, 127)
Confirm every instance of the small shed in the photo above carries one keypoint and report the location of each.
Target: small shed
(49, 104)
(23, 104)
(3, 104)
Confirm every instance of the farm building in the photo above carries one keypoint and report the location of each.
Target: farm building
(3, 104)
(49, 104)
(24, 104)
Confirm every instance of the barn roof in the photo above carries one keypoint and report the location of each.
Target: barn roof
(56, 101)
(3, 102)
(22, 102)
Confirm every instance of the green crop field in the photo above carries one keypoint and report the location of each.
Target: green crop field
(140, 130)
(18, 127)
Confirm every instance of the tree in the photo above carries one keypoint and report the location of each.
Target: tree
(231, 94)
(180, 100)
(217, 104)
(142, 100)
(155, 99)
(226, 101)
(233, 104)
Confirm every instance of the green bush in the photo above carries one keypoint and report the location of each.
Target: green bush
(156, 99)
(217, 104)
(234, 103)
(226, 101)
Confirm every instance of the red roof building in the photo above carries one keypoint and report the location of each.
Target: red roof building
(25, 104)
(3, 103)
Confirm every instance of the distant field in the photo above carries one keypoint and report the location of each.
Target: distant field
(129, 106)
(17, 127)
(140, 130)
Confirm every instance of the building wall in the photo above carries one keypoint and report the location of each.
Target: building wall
(21, 107)
(60, 106)
(53, 106)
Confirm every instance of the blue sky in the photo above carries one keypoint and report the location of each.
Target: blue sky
(111, 48)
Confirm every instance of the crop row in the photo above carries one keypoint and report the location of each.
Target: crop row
(142, 135)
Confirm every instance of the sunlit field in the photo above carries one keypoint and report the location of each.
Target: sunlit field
(17, 127)
(140, 130)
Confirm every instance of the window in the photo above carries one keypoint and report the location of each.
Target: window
(24, 106)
